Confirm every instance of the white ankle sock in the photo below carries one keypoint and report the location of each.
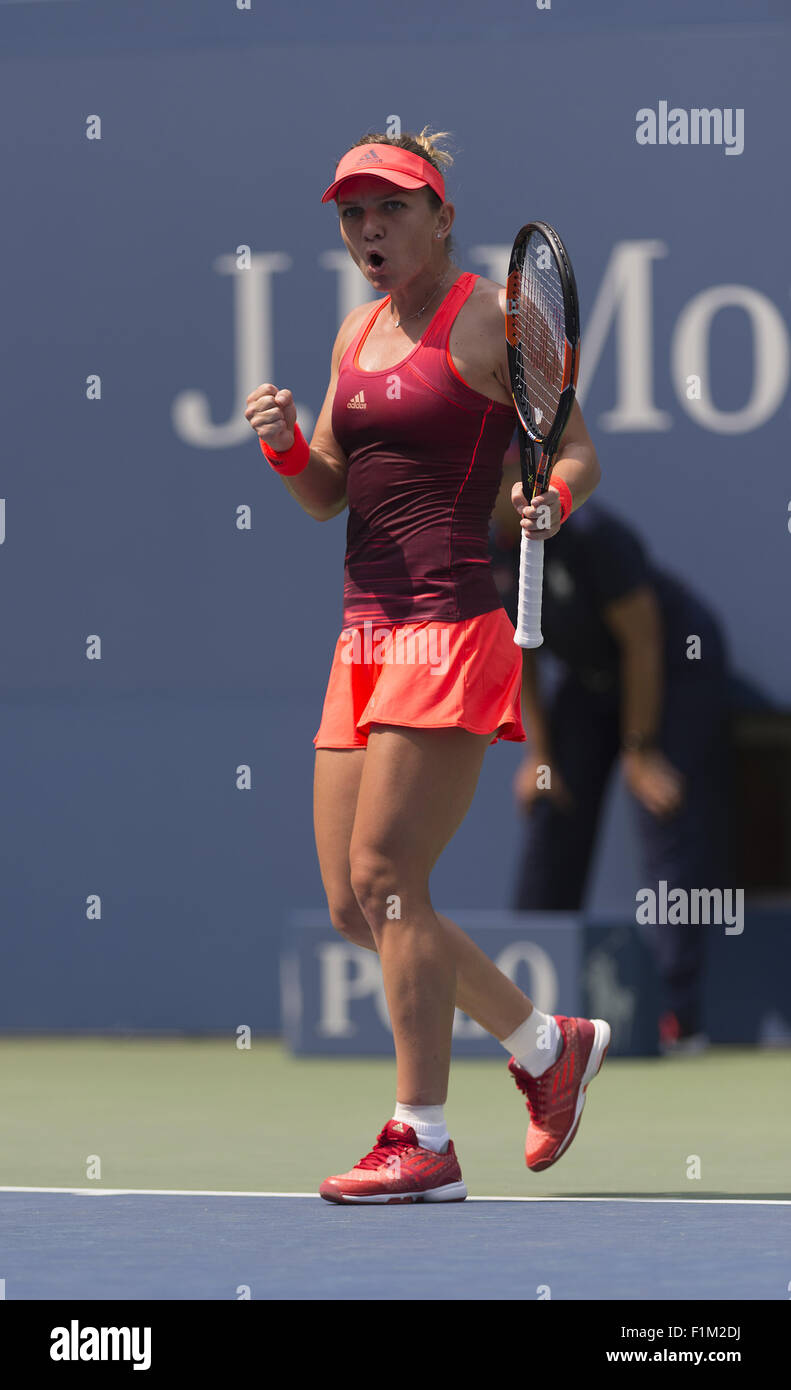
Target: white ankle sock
(536, 1043)
(428, 1122)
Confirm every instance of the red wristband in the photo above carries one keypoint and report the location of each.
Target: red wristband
(291, 461)
(566, 499)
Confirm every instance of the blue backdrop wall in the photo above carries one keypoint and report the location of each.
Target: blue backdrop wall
(168, 613)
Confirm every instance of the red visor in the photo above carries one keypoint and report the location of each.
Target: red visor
(388, 162)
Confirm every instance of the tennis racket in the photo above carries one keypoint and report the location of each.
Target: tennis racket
(543, 339)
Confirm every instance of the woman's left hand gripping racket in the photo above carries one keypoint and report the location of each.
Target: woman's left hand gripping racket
(543, 338)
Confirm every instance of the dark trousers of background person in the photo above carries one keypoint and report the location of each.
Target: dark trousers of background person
(687, 850)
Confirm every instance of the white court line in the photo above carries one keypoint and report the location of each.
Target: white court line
(194, 1192)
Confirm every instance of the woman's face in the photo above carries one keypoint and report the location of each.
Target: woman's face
(388, 231)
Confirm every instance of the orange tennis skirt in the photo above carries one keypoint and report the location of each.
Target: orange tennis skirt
(424, 675)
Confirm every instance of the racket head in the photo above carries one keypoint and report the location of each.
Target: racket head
(542, 340)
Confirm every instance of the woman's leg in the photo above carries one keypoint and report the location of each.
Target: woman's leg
(482, 991)
(415, 790)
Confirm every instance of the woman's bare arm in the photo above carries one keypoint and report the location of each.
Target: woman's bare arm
(320, 488)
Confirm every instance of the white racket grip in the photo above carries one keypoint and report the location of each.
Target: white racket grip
(531, 582)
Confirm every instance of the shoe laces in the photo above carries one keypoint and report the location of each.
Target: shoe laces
(536, 1089)
(386, 1147)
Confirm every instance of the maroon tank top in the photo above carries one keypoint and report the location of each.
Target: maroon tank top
(425, 454)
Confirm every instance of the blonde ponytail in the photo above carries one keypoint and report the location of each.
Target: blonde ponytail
(430, 147)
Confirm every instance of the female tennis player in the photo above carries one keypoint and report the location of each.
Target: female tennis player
(411, 437)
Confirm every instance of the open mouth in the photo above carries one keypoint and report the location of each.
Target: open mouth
(375, 261)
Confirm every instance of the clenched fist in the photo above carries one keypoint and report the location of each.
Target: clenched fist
(273, 415)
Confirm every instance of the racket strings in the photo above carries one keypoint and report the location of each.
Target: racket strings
(540, 323)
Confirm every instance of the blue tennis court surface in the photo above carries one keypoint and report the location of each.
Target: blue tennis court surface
(158, 1245)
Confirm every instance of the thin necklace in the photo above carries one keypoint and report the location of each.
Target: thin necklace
(398, 322)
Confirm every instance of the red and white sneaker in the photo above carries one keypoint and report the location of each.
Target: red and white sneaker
(398, 1170)
(556, 1099)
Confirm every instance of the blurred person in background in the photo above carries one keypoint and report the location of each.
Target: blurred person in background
(642, 682)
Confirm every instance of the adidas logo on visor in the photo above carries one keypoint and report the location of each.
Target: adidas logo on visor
(370, 157)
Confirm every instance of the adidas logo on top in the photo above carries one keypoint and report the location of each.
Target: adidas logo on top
(357, 402)
(370, 157)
